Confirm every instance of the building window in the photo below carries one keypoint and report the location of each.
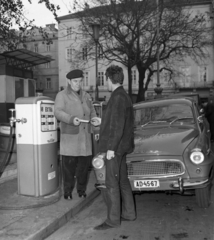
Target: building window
(202, 73)
(86, 79)
(69, 53)
(100, 53)
(84, 53)
(134, 77)
(48, 83)
(84, 34)
(185, 76)
(48, 47)
(36, 48)
(47, 65)
(101, 78)
(69, 32)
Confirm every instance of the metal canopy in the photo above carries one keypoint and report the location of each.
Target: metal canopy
(23, 58)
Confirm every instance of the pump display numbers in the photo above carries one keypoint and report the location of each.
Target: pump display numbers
(48, 121)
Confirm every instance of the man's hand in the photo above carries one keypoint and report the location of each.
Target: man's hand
(110, 155)
(96, 121)
(76, 121)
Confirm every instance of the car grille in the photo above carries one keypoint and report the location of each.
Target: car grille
(155, 168)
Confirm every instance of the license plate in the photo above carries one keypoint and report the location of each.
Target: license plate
(146, 183)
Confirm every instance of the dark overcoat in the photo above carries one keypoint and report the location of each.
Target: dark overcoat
(209, 113)
(116, 130)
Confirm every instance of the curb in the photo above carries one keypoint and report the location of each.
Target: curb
(57, 223)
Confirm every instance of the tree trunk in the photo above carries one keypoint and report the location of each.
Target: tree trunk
(130, 82)
(141, 90)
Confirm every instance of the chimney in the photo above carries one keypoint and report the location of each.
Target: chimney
(51, 26)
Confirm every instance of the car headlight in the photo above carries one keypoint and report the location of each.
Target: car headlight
(98, 161)
(197, 156)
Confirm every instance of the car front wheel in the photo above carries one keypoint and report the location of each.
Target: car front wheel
(203, 196)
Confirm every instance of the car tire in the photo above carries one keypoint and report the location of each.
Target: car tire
(203, 196)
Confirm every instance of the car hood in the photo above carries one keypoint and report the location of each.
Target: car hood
(164, 141)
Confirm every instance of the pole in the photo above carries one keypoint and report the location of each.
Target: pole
(96, 30)
(158, 47)
(158, 90)
(96, 73)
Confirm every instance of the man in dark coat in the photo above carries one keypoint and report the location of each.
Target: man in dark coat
(116, 140)
(209, 113)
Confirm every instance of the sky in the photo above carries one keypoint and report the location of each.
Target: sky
(42, 15)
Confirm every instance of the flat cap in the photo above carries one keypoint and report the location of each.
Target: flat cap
(75, 74)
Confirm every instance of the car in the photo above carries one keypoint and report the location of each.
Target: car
(172, 150)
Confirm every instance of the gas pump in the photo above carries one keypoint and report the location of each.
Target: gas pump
(37, 146)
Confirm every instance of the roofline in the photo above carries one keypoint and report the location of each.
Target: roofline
(77, 14)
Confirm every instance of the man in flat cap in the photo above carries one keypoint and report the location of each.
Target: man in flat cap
(75, 111)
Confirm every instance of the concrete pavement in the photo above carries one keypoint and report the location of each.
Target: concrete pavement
(29, 218)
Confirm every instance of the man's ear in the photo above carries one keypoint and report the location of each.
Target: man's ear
(68, 81)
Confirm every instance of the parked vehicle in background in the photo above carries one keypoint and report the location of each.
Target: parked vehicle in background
(172, 150)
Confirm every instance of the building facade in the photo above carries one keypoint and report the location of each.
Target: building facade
(197, 77)
(46, 75)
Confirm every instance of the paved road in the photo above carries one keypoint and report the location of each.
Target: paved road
(160, 217)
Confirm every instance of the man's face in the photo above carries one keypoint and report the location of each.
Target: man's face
(109, 84)
(76, 84)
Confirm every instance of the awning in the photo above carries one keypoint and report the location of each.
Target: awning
(23, 58)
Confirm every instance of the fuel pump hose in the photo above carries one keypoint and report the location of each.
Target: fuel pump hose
(6, 158)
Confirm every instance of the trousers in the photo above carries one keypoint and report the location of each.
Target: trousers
(118, 194)
(75, 170)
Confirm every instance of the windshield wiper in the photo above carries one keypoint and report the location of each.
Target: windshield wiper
(152, 123)
(177, 119)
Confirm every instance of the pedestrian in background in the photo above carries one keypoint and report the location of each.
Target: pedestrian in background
(116, 140)
(209, 113)
(74, 109)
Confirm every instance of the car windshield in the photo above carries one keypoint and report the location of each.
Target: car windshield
(164, 114)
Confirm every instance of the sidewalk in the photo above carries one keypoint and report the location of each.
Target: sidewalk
(34, 222)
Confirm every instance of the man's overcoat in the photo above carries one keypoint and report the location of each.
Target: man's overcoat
(74, 140)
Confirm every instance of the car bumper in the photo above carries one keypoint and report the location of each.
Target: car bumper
(178, 184)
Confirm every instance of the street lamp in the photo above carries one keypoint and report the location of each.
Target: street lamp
(96, 34)
(158, 90)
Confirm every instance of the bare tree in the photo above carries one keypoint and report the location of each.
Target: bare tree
(14, 27)
(129, 34)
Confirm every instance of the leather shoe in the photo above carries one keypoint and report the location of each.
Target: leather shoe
(103, 226)
(67, 196)
(128, 220)
(82, 194)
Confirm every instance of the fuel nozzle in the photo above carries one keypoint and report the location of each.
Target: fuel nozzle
(12, 118)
